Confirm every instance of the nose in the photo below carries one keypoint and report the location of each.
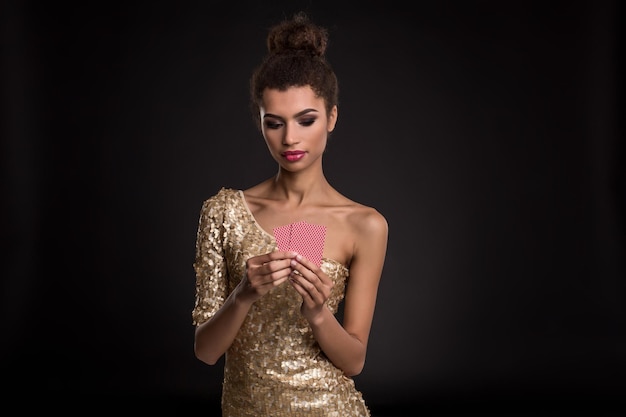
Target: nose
(290, 136)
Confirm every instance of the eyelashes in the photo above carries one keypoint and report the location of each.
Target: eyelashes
(273, 125)
(277, 125)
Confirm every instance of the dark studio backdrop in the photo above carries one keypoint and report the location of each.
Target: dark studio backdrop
(487, 132)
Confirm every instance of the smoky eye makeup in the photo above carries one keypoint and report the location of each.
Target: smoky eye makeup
(272, 124)
(307, 121)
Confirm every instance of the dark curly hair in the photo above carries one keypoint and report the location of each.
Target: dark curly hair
(295, 58)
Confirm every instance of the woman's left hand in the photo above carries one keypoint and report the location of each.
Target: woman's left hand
(312, 284)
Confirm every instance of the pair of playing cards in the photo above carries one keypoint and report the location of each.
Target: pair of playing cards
(305, 238)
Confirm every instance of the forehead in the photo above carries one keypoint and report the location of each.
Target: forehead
(290, 101)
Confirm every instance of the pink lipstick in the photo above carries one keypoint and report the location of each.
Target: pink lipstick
(293, 156)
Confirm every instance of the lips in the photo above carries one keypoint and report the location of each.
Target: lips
(293, 156)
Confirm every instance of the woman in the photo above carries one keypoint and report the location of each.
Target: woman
(269, 308)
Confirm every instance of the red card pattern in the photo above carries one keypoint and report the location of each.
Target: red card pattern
(305, 238)
(308, 240)
(282, 234)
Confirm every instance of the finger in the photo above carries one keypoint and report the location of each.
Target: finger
(304, 261)
(309, 270)
(270, 257)
(301, 263)
(315, 269)
(270, 279)
(268, 272)
(305, 282)
(310, 294)
(301, 270)
(266, 268)
(278, 255)
(279, 281)
(274, 271)
(300, 284)
(281, 265)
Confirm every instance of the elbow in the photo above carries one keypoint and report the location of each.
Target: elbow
(205, 357)
(204, 349)
(354, 368)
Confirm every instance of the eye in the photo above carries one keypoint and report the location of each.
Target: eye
(272, 124)
(307, 122)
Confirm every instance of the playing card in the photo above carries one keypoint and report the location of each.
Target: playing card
(308, 240)
(305, 238)
(282, 234)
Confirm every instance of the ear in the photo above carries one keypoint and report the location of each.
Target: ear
(332, 118)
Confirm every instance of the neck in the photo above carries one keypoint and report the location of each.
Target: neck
(299, 188)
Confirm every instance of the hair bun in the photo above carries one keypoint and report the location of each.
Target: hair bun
(297, 35)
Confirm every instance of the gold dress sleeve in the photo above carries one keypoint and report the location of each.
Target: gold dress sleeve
(209, 265)
(274, 367)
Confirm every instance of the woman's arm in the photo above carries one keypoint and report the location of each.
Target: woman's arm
(263, 272)
(218, 315)
(346, 345)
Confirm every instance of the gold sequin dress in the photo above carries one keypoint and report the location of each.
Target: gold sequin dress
(274, 367)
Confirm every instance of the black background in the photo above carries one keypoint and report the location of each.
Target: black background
(487, 132)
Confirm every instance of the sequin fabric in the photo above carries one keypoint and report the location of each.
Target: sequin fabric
(274, 367)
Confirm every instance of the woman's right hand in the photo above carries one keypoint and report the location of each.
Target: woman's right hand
(264, 272)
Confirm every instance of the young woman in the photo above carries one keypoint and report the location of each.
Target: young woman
(261, 303)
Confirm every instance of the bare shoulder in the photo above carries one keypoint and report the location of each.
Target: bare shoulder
(360, 215)
(364, 220)
(367, 221)
(369, 234)
(355, 231)
(257, 196)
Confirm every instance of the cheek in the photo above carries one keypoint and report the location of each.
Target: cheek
(319, 132)
(323, 136)
(272, 137)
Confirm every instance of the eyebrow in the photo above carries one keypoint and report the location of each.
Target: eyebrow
(300, 113)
